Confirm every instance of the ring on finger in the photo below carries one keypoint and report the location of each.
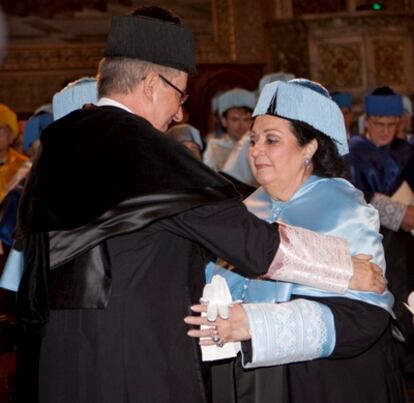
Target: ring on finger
(217, 340)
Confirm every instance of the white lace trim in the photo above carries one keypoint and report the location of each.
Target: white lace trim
(299, 330)
(305, 257)
(391, 212)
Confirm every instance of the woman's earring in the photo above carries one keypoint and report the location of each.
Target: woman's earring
(307, 162)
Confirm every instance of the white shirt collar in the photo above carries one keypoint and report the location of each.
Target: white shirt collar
(104, 101)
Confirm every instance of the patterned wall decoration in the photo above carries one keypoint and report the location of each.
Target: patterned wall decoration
(55, 48)
(339, 64)
(389, 62)
(27, 91)
(289, 47)
(222, 45)
(31, 75)
(249, 32)
(348, 51)
(37, 58)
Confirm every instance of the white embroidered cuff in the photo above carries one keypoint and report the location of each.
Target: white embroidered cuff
(391, 212)
(305, 257)
(298, 330)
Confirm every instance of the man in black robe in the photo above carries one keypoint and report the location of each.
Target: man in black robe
(116, 221)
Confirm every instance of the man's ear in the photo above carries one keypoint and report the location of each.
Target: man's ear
(150, 83)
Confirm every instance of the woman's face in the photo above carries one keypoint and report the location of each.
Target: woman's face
(276, 158)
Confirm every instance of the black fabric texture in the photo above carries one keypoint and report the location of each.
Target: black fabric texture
(155, 41)
(244, 189)
(362, 368)
(132, 174)
(137, 348)
(110, 155)
(102, 172)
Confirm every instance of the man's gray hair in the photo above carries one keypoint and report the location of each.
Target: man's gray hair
(120, 75)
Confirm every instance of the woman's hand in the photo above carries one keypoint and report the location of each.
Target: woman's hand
(367, 275)
(235, 328)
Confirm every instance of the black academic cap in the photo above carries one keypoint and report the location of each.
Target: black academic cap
(152, 40)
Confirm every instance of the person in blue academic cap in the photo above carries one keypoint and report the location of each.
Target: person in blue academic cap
(380, 165)
(42, 118)
(344, 101)
(335, 347)
(189, 137)
(235, 110)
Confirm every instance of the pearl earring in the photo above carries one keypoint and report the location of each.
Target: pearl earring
(307, 162)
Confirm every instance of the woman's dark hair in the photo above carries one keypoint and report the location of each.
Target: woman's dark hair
(326, 161)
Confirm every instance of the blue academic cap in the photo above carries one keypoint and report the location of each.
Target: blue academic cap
(215, 102)
(308, 102)
(342, 99)
(236, 98)
(383, 101)
(74, 96)
(185, 132)
(34, 127)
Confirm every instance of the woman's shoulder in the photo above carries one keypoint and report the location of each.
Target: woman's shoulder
(335, 196)
(336, 187)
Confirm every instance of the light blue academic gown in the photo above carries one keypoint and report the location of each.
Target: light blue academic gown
(299, 330)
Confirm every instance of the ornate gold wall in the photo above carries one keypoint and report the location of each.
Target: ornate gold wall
(45, 52)
(343, 48)
(354, 51)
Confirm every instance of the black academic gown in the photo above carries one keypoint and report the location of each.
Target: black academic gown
(117, 220)
(363, 368)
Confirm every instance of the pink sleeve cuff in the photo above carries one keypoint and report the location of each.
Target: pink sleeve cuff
(305, 257)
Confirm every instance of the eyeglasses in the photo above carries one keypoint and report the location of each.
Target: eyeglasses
(183, 95)
(388, 125)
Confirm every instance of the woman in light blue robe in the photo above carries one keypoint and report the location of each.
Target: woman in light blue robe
(305, 344)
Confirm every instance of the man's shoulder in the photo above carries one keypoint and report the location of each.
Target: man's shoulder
(101, 124)
(102, 115)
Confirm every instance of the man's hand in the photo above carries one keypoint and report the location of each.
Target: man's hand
(367, 275)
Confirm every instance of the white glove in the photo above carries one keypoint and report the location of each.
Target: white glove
(217, 297)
